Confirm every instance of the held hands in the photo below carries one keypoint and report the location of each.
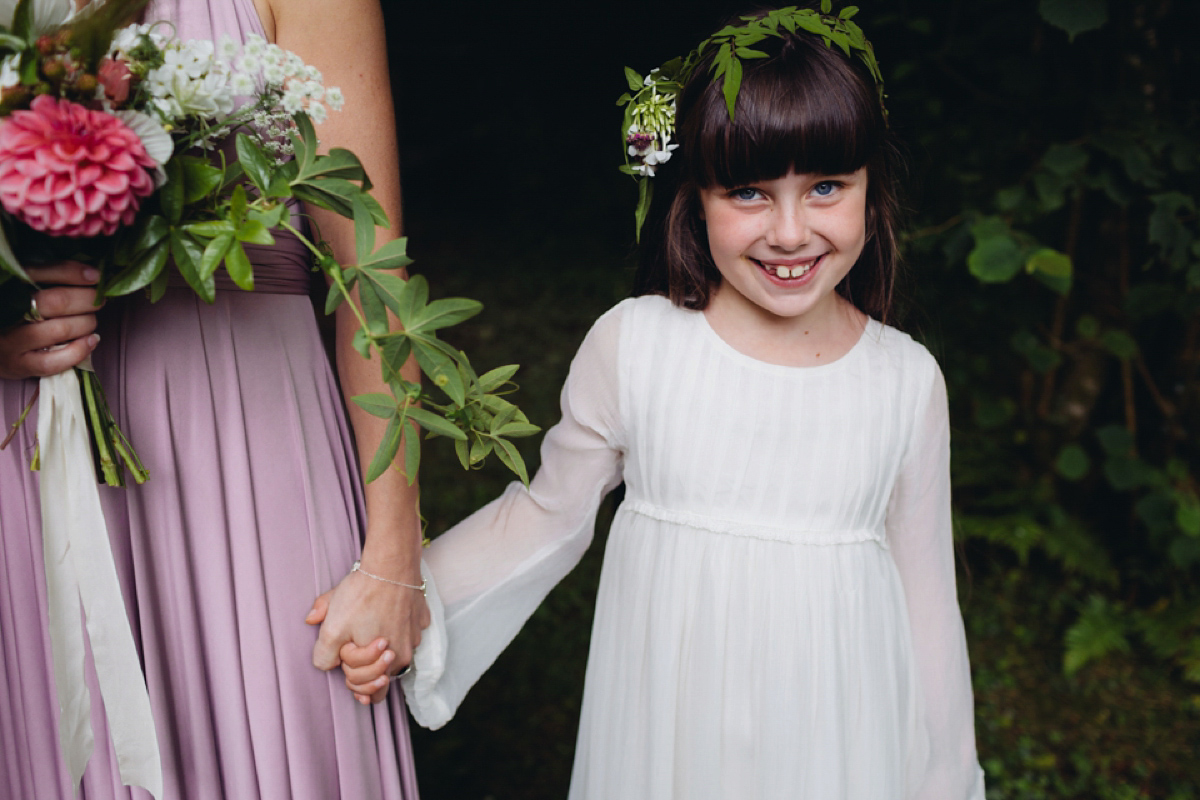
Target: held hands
(65, 335)
(385, 617)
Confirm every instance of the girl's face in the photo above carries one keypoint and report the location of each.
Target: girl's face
(782, 246)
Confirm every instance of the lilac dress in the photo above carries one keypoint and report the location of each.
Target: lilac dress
(254, 507)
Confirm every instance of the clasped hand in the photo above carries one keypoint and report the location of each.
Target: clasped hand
(369, 628)
(66, 334)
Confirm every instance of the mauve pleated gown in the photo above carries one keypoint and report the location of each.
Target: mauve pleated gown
(253, 508)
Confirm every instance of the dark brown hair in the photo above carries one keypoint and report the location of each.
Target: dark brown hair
(806, 108)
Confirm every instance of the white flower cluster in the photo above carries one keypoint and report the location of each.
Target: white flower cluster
(651, 129)
(191, 82)
(284, 85)
(271, 70)
(127, 39)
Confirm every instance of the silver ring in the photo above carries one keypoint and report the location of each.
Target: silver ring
(402, 673)
(33, 315)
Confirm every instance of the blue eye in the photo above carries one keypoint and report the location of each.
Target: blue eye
(744, 193)
(825, 188)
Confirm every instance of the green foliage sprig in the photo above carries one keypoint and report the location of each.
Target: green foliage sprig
(471, 410)
(648, 127)
(207, 212)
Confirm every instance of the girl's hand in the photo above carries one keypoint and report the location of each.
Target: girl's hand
(362, 609)
(66, 336)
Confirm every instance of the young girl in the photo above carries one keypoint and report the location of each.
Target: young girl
(777, 615)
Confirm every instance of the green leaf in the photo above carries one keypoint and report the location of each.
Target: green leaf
(1099, 631)
(373, 308)
(1115, 439)
(1120, 344)
(463, 451)
(392, 254)
(377, 404)
(1072, 462)
(333, 299)
(237, 203)
(995, 259)
(270, 218)
(390, 288)
(1052, 267)
(254, 232)
(1167, 231)
(518, 429)
(1040, 357)
(1088, 327)
(8, 259)
(396, 349)
(412, 456)
(440, 368)
(414, 299)
(188, 254)
(635, 81)
(1065, 159)
(444, 313)
(1127, 472)
(170, 196)
(732, 85)
(435, 423)
(388, 447)
(1051, 190)
(214, 254)
(492, 380)
(364, 230)
(511, 458)
(1011, 199)
(200, 178)
(254, 162)
(145, 268)
(158, 286)
(1187, 512)
(209, 229)
(150, 230)
(238, 265)
(362, 343)
(1074, 16)
(645, 195)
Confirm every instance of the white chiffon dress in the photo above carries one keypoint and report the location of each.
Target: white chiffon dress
(777, 616)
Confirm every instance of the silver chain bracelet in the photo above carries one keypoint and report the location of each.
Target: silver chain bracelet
(360, 570)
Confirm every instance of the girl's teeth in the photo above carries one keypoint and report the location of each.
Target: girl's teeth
(794, 272)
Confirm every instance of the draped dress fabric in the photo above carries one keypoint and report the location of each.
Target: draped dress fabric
(777, 616)
(253, 508)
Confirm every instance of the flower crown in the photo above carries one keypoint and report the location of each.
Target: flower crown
(648, 129)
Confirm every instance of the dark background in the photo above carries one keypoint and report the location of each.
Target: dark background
(1078, 589)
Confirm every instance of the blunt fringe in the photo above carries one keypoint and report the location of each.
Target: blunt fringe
(806, 108)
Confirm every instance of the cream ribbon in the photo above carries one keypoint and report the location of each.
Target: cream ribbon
(80, 571)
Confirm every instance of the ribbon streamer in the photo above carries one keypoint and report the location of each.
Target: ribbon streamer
(80, 571)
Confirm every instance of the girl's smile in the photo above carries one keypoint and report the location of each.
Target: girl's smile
(783, 245)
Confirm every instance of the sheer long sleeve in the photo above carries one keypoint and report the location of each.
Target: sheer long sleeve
(488, 574)
(919, 529)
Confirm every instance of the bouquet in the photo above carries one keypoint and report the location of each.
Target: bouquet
(109, 153)
(114, 149)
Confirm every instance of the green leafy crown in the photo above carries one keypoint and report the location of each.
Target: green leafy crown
(648, 129)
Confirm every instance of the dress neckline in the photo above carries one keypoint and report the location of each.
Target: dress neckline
(871, 331)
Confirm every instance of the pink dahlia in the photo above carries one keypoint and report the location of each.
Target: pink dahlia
(70, 171)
